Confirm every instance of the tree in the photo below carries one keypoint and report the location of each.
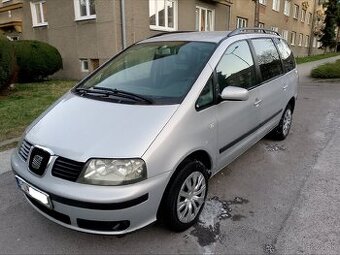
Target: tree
(328, 39)
(338, 25)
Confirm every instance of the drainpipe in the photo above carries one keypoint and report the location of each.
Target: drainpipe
(122, 13)
(311, 37)
(257, 13)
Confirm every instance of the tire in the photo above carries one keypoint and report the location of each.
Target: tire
(282, 130)
(175, 204)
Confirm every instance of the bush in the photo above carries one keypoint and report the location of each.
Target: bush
(327, 71)
(36, 60)
(7, 62)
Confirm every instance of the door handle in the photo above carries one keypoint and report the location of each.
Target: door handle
(257, 102)
(285, 87)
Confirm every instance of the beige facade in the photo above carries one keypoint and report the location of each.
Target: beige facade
(89, 32)
(11, 14)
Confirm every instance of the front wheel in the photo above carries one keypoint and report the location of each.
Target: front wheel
(186, 196)
(282, 130)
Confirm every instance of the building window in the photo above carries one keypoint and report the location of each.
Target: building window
(314, 42)
(303, 15)
(307, 41)
(276, 5)
(318, 45)
(296, 11)
(241, 22)
(84, 65)
(163, 14)
(300, 39)
(261, 25)
(309, 18)
(263, 2)
(204, 19)
(292, 38)
(84, 9)
(285, 34)
(276, 29)
(286, 10)
(39, 14)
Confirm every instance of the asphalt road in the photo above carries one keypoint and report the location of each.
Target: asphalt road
(279, 197)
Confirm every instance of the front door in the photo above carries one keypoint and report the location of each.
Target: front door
(237, 120)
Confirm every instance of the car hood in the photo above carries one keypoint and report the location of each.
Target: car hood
(80, 128)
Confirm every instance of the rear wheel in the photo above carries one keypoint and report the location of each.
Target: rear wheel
(282, 130)
(185, 198)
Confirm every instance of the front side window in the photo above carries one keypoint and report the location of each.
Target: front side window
(268, 58)
(163, 72)
(39, 13)
(236, 67)
(263, 2)
(163, 14)
(241, 22)
(84, 9)
(204, 19)
(286, 54)
(307, 41)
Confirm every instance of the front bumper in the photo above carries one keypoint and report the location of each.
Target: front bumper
(95, 209)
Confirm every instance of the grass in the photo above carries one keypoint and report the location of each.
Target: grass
(25, 103)
(301, 60)
(327, 71)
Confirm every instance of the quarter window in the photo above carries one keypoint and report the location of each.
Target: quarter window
(204, 19)
(236, 67)
(39, 13)
(163, 14)
(206, 97)
(286, 54)
(268, 58)
(84, 9)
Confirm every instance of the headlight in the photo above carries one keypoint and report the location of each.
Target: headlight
(113, 171)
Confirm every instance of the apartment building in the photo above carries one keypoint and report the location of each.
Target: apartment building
(11, 13)
(89, 32)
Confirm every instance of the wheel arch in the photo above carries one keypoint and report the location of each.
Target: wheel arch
(199, 155)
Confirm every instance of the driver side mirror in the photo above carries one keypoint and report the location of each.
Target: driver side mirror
(234, 94)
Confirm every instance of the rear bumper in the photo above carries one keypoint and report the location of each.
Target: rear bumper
(96, 209)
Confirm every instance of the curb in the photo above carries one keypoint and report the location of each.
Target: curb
(9, 141)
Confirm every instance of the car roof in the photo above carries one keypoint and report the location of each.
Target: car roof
(214, 37)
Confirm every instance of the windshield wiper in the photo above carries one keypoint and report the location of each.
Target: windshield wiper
(114, 92)
(125, 94)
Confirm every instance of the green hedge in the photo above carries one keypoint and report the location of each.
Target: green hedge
(7, 62)
(36, 60)
(327, 71)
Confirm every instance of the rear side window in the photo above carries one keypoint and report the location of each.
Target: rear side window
(236, 67)
(268, 58)
(286, 54)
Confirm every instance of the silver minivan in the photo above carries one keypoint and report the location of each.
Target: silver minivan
(138, 139)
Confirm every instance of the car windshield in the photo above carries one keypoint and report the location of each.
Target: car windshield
(158, 73)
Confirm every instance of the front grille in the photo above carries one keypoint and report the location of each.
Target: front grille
(54, 214)
(25, 150)
(67, 169)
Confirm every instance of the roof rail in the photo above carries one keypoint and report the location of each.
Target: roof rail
(254, 30)
(167, 33)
